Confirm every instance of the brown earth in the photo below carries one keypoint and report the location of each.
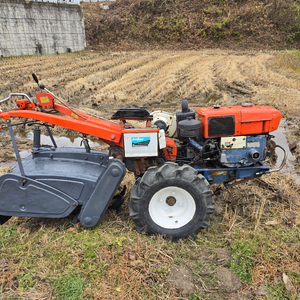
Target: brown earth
(103, 83)
(157, 79)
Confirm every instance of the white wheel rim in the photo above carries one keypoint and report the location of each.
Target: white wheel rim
(172, 216)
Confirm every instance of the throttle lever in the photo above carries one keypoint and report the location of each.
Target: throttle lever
(35, 78)
(41, 86)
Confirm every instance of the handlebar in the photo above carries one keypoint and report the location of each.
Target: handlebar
(15, 94)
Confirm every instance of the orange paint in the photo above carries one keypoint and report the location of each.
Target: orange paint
(248, 120)
(45, 100)
(171, 150)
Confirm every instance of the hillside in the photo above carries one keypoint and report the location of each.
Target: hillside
(180, 24)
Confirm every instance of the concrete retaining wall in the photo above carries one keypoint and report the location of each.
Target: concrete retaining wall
(28, 28)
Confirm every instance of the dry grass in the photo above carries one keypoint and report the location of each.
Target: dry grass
(4, 170)
(96, 80)
(268, 201)
(171, 24)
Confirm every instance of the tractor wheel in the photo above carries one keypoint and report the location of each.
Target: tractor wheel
(171, 200)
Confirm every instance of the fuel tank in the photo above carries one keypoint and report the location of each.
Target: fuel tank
(245, 119)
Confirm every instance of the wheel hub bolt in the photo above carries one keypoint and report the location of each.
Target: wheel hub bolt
(170, 200)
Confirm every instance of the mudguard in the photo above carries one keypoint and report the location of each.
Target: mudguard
(25, 197)
(106, 186)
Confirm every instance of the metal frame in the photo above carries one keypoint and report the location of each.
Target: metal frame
(15, 147)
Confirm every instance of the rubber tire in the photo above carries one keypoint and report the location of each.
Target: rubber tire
(171, 174)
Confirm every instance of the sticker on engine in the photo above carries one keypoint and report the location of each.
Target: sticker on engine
(140, 141)
(253, 144)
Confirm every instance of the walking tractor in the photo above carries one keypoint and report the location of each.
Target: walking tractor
(175, 158)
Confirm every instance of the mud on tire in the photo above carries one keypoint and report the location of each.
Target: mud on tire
(171, 200)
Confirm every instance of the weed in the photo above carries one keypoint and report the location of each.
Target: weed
(117, 241)
(193, 297)
(162, 271)
(242, 258)
(294, 35)
(264, 247)
(26, 281)
(279, 291)
(69, 286)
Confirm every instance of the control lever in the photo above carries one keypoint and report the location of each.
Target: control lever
(41, 86)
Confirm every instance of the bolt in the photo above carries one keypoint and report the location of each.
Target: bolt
(112, 137)
(115, 172)
(171, 201)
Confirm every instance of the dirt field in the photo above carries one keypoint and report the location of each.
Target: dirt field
(102, 83)
(97, 80)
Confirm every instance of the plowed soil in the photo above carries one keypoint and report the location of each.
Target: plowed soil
(97, 80)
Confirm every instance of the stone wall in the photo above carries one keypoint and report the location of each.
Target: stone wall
(29, 28)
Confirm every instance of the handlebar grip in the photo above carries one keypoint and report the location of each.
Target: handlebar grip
(35, 78)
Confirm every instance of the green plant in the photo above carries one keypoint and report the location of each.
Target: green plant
(294, 35)
(279, 291)
(117, 241)
(69, 286)
(193, 297)
(241, 261)
(26, 281)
